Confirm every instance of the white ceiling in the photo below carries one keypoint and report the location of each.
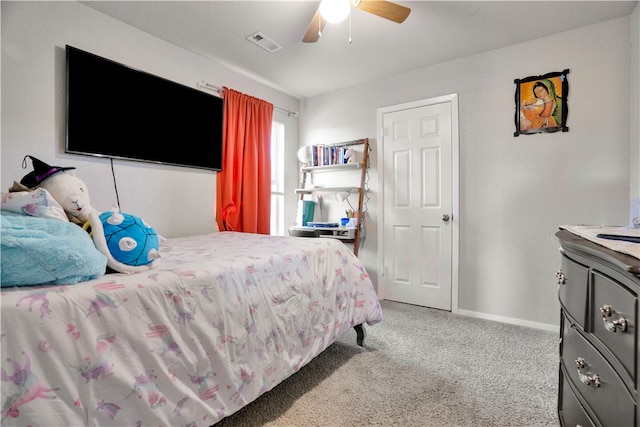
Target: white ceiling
(434, 32)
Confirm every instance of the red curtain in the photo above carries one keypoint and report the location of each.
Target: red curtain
(243, 195)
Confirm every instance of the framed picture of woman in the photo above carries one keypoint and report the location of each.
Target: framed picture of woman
(541, 103)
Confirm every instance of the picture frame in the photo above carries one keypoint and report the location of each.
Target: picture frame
(541, 103)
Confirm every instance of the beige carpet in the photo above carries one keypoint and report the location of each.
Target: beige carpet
(420, 367)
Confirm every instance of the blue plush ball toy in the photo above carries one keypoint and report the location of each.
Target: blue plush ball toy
(129, 239)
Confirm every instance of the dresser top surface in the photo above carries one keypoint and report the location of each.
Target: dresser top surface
(574, 242)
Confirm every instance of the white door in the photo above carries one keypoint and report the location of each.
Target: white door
(418, 205)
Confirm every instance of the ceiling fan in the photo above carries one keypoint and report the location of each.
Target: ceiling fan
(382, 8)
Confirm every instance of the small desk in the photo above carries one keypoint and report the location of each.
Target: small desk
(342, 233)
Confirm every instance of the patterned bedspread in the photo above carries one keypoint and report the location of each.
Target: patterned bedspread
(224, 318)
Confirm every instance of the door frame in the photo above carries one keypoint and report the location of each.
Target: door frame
(455, 188)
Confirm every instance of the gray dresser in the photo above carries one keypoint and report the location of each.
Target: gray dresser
(599, 359)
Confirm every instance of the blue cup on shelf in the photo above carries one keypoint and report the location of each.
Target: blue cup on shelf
(344, 221)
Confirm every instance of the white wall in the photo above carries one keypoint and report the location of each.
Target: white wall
(175, 201)
(514, 192)
(635, 113)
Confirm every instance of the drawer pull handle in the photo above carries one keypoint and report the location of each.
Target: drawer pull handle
(560, 277)
(614, 325)
(590, 380)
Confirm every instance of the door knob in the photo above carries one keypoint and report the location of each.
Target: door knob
(445, 218)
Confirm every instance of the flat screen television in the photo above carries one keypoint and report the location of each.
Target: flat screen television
(119, 112)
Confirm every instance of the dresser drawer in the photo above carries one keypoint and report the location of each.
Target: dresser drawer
(614, 320)
(571, 412)
(595, 380)
(572, 289)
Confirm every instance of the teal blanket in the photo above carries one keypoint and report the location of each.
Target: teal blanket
(45, 251)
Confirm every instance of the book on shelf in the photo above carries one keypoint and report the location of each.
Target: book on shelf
(326, 155)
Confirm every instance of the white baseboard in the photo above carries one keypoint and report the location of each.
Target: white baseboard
(511, 320)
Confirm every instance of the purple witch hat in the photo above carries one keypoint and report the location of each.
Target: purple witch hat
(41, 171)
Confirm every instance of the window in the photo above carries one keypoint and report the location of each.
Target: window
(277, 179)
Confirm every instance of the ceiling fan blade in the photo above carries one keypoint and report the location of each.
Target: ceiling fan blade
(385, 9)
(315, 27)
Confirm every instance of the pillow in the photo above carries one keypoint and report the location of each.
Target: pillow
(34, 203)
(45, 251)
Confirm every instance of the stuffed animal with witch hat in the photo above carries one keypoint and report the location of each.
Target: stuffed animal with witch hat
(129, 244)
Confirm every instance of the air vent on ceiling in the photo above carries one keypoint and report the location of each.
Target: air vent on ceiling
(264, 42)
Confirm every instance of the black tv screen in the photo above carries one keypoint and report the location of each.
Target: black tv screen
(119, 112)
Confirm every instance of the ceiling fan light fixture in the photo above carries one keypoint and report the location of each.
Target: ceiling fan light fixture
(334, 11)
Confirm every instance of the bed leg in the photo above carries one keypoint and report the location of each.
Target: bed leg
(361, 333)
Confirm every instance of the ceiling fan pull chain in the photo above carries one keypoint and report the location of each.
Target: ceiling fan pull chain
(319, 25)
(349, 25)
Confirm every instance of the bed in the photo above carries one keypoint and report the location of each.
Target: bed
(221, 320)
